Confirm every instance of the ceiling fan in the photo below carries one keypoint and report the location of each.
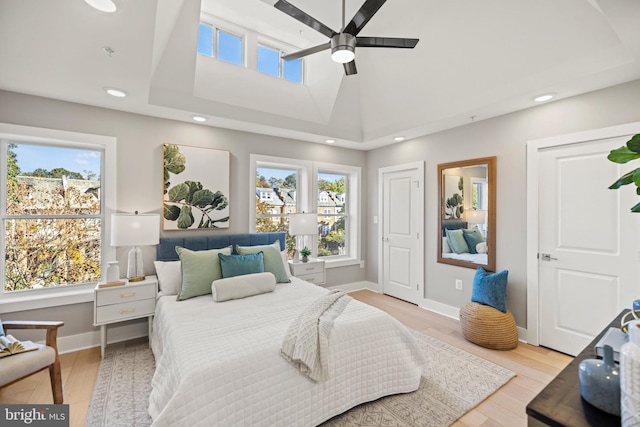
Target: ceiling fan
(344, 43)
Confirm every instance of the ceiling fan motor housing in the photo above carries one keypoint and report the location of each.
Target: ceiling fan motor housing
(343, 46)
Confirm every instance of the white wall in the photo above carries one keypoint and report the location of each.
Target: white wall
(140, 140)
(506, 138)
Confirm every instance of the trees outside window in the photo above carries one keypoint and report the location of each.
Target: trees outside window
(52, 217)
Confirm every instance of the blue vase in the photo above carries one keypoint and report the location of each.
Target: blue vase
(600, 382)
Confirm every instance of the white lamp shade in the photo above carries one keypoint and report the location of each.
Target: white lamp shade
(135, 229)
(301, 224)
(478, 216)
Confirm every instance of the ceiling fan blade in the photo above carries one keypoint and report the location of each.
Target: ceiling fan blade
(305, 52)
(386, 42)
(350, 68)
(296, 13)
(366, 12)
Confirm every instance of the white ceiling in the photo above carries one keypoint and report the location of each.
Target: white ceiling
(475, 59)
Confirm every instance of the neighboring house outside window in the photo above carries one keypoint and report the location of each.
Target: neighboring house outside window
(53, 211)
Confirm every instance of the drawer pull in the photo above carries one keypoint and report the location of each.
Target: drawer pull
(130, 294)
(310, 279)
(127, 310)
(310, 268)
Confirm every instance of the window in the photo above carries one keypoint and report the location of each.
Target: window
(229, 47)
(334, 223)
(53, 216)
(269, 61)
(205, 40)
(334, 195)
(292, 70)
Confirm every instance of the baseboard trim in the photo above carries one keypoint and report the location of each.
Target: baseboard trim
(115, 333)
(356, 286)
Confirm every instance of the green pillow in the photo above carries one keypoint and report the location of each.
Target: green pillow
(272, 259)
(472, 237)
(199, 270)
(239, 265)
(456, 241)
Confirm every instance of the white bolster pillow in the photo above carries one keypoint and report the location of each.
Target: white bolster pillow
(243, 286)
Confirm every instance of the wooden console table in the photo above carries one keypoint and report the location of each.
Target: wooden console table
(559, 404)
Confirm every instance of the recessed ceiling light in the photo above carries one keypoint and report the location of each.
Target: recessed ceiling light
(199, 118)
(102, 5)
(115, 92)
(330, 141)
(545, 97)
(398, 138)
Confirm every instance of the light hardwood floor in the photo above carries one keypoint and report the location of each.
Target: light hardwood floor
(534, 366)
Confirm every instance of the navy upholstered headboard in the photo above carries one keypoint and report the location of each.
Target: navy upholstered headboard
(452, 224)
(167, 248)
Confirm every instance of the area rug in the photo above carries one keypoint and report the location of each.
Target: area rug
(453, 382)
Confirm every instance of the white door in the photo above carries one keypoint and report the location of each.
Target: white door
(402, 218)
(588, 243)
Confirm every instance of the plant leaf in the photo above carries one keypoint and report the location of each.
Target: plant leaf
(636, 208)
(622, 155)
(625, 179)
(174, 160)
(219, 201)
(185, 219)
(202, 198)
(193, 187)
(178, 193)
(634, 143)
(171, 212)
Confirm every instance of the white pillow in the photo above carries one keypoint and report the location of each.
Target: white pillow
(243, 286)
(481, 248)
(285, 261)
(169, 276)
(446, 249)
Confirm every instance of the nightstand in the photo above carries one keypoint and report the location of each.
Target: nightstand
(119, 303)
(311, 271)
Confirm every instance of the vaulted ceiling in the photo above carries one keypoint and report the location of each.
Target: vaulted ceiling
(475, 59)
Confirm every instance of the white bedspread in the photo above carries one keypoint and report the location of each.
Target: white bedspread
(219, 364)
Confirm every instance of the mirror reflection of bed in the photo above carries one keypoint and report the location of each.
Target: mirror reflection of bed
(466, 225)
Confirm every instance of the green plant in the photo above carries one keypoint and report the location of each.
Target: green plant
(305, 252)
(624, 154)
(183, 198)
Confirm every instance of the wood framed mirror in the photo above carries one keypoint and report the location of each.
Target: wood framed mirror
(467, 213)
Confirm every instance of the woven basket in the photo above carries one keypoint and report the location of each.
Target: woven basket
(488, 327)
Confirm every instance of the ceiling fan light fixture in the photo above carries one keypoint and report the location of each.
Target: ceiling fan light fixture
(343, 48)
(102, 5)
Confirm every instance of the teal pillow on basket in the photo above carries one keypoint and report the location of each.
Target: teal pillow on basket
(490, 289)
(239, 265)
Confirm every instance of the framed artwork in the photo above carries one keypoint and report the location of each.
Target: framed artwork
(195, 188)
(453, 197)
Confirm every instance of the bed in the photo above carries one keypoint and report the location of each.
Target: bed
(219, 363)
(479, 256)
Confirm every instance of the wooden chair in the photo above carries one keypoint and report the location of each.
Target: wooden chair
(16, 367)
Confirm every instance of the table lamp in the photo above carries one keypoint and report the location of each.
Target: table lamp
(135, 230)
(302, 224)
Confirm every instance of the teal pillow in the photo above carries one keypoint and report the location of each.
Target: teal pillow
(199, 269)
(490, 289)
(272, 259)
(472, 237)
(456, 241)
(1, 329)
(239, 265)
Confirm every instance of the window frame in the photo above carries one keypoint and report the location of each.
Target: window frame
(62, 295)
(353, 177)
(243, 50)
(307, 199)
